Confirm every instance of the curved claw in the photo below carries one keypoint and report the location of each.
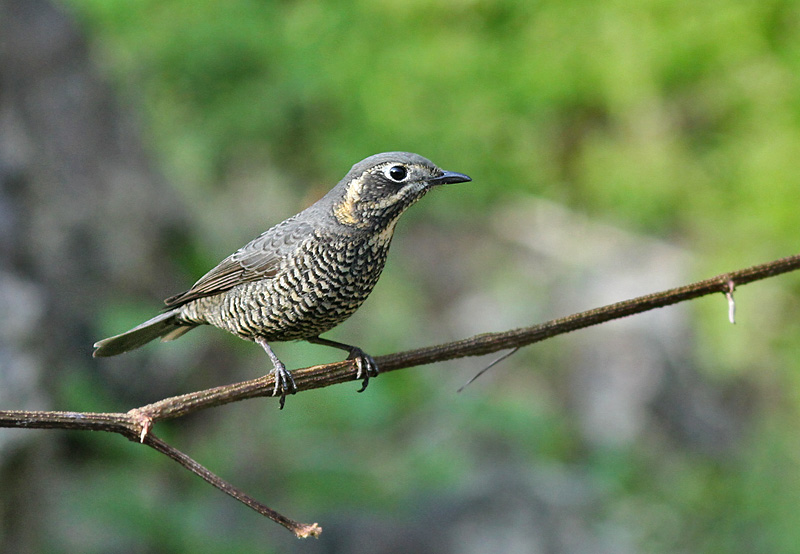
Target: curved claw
(284, 383)
(365, 366)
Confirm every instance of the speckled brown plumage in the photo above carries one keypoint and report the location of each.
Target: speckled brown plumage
(305, 275)
(316, 288)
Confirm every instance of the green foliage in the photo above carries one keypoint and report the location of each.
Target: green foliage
(671, 116)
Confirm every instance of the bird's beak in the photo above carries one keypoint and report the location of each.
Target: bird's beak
(448, 177)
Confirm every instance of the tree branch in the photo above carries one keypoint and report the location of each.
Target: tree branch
(487, 343)
(136, 423)
(301, 530)
(130, 426)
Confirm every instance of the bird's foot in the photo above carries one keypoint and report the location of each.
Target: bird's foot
(365, 366)
(284, 382)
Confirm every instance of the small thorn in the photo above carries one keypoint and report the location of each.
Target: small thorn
(143, 421)
(731, 301)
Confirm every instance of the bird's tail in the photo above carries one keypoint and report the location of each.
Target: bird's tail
(165, 326)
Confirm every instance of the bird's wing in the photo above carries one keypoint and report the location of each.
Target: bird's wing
(259, 259)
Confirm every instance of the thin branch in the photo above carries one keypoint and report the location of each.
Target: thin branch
(301, 530)
(136, 423)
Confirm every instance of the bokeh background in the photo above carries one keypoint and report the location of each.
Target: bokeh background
(617, 148)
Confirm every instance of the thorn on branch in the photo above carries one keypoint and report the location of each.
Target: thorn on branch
(141, 420)
(731, 301)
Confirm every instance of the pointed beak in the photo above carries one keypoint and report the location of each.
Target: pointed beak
(449, 177)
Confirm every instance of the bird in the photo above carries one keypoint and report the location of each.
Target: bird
(305, 275)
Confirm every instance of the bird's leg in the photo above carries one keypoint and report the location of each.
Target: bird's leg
(365, 364)
(284, 382)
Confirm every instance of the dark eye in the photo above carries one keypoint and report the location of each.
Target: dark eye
(397, 173)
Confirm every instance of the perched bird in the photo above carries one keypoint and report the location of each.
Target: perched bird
(305, 275)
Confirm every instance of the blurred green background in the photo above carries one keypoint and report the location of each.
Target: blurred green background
(616, 148)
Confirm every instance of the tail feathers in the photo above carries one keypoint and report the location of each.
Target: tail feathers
(165, 326)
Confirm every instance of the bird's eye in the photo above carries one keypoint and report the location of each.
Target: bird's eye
(397, 173)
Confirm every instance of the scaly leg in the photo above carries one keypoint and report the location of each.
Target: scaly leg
(284, 382)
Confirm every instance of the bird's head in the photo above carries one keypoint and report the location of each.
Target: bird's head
(378, 189)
